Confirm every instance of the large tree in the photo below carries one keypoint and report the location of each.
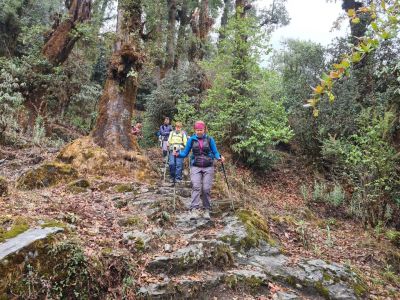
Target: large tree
(64, 36)
(113, 125)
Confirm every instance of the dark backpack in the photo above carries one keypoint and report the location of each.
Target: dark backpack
(201, 157)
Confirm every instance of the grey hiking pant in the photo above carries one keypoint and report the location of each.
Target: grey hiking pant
(202, 180)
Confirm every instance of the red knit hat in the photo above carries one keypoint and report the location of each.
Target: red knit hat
(199, 125)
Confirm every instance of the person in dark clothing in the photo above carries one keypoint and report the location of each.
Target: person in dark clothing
(204, 151)
(165, 130)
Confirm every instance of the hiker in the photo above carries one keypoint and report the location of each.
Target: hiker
(176, 142)
(137, 130)
(204, 151)
(165, 129)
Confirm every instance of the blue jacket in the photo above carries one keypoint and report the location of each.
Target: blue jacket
(213, 147)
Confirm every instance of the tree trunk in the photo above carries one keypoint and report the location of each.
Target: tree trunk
(181, 44)
(224, 19)
(113, 126)
(170, 47)
(201, 24)
(63, 38)
(363, 71)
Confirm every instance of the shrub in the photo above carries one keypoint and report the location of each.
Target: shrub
(336, 197)
(10, 99)
(369, 162)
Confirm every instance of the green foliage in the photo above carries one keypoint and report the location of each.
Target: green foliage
(384, 26)
(177, 97)
(82, 111)
(333, 196)
(369, 162)
(186, 112)
(240, 109)
(38, 133)
(319, 191)
(11, 99)
(337, 196)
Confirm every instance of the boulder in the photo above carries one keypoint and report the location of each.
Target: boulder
(139, 239)
(48, 174)
(78, 186)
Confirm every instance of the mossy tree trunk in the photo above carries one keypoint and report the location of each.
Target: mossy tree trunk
(170, 45)
(62, 40)
(181, 43)
(201, 24)
(363, 71)
(57, 48)
(113, 125)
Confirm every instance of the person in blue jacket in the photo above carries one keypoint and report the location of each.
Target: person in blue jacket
(204, 151)
(165, 130)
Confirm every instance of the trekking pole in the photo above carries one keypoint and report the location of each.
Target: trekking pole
(165, 166)
(174, 203)
(227, 184)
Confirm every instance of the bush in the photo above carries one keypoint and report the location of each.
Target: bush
(10, 99)
(336, 197)
(370, 163)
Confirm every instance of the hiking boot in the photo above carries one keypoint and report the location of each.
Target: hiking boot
(206, 214)
(194, 214)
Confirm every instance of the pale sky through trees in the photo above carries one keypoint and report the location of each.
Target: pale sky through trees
(310, 20)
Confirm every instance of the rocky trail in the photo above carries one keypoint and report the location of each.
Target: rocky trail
(231, 256)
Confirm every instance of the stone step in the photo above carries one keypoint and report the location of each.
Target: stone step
(197, 286)
(232, 284)
(193, 257)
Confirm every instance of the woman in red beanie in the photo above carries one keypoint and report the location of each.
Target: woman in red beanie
(204, 151)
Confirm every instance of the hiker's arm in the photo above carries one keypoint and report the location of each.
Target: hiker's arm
(186, 150)
(214, 150)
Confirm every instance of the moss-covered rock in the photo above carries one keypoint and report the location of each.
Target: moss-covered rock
(82, 183)
(256, 227)
(78, 186)
(222, 256)
(48, 174)
(124, 188)
(121, 203)
(3, 187)
(14, 228)
(87, 157)
(58, 269)
(130, 221)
